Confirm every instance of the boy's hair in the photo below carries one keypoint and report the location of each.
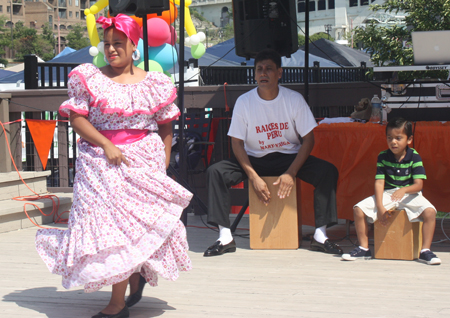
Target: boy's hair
(268, 54)
(399, 122)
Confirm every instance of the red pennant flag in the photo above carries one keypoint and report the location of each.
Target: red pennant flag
(42, 132)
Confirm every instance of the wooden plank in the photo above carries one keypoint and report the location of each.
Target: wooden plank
(400, 239)
(275, 226)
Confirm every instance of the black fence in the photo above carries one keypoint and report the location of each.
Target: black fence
(46, 75)
(239, 75)
(55, 75)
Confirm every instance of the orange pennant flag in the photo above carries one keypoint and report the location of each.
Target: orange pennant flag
(42, 132)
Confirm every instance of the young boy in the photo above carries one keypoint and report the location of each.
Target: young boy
(398, 183)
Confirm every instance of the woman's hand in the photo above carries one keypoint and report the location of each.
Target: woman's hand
(114, 155)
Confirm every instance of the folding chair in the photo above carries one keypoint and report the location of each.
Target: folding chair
(196, 143)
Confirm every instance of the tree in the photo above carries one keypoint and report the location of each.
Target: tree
(314, 37)
(4, 39)
(390, 45)
(27, 41)
(77, 39)
(48, 42)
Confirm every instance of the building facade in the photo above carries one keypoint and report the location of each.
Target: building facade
(62, 16)
(336, 17)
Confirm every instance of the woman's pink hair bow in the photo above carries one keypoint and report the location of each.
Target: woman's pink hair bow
(124, 24)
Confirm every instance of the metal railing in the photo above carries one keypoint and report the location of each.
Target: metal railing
(235, 75)
(46, 75)
(55, 75)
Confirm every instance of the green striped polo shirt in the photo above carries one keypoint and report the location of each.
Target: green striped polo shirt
(399, 174)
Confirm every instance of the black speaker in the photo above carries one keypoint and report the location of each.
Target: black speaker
(263, 24)
(139, 8)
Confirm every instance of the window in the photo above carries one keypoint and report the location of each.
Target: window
(1, 8)
(330, 4)
(8, 9)
(50, 19)
(363, 2)
(70, 14)
(302, 6)
(321, 5)
(77, 14)
(353, 3)
(77, 4)
(70, 3)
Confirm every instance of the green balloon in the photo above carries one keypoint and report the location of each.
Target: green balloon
(99, 60)
(198, 50)
(170, 76)
(152, 66)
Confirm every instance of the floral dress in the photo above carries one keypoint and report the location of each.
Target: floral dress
(123, 219)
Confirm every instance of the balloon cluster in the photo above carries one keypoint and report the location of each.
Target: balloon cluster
(162, 37)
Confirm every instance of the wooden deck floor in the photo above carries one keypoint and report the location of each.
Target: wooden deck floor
(248, 283)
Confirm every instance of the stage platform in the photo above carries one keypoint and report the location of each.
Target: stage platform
(245, 284)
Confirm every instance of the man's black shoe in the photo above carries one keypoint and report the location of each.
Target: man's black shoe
(327, 247)
(218, 249)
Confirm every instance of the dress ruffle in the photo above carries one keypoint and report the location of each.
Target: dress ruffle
(122, 218)
(88, 83)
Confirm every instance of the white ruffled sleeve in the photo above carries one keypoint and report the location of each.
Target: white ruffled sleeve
(164, 92)
(78, 91)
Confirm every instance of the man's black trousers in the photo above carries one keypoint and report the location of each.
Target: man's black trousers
(317, 172)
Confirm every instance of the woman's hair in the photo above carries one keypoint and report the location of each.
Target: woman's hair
(399, 122)
(124, 24)
(268, 54)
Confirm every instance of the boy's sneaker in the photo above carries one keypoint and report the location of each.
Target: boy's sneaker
(356, 254)
(429, 258)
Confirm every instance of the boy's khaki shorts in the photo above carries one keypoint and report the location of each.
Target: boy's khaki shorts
(413, 204)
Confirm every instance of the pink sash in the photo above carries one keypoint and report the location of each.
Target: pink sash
(125, 136)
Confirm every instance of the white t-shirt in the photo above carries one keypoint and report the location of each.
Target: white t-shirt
(268, 126)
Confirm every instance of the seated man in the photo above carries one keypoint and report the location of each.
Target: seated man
(272, 135)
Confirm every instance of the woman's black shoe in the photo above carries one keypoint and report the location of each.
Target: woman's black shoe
(134, 299)
(124, 313)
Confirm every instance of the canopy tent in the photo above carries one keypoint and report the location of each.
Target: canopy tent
(226, 50)
(338, 53)
(67, 50)
(4, 73)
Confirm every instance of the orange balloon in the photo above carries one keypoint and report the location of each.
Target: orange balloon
(169, 15)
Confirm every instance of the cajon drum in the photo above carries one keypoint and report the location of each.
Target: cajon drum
(278, 225)
(400, 239)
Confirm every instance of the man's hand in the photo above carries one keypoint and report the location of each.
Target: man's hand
(261, 190)
(398, 195)
(114, 155)
(286, 182)
(383, 216)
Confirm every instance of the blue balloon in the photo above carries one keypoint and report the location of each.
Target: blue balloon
(140, 48)
(165, 55)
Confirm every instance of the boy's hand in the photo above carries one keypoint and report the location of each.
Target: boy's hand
(383, 216)
(398, 195)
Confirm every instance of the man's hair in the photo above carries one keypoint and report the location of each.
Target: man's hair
(268, 54)
(399, 122)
